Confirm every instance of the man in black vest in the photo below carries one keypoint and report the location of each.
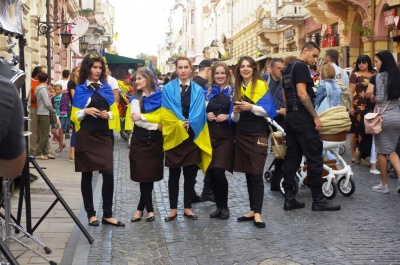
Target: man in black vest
(202, 80)
(302, 127)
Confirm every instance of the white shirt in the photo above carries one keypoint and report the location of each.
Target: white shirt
(81, 113)
(112, 82)
(135, 108)
(338, 70)
(63, 83)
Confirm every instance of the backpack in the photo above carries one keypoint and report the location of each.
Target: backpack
(345, 97)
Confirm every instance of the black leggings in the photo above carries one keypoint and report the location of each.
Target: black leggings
(189, 174)
(107, 193)
(146, 197)
(219, 185)
(255, 187)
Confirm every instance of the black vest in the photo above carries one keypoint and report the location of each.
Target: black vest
(145, 135)
(219, 104)
(292, 99)
(249, 122)
(96, 125)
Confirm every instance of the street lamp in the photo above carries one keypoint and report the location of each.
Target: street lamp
(83, 46)
(66, 38)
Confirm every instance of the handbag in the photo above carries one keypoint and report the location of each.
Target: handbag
(53, 118)
(278, 144)
(373, 121)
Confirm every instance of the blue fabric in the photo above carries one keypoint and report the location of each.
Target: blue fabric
(152, 102)
(82, 94)
(216, 90)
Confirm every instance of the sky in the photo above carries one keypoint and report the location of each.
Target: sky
(141, 25)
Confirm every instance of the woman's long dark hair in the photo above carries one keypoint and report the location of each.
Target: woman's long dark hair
(239, 79)
(87, 64)
(367, 59)
(389, 65)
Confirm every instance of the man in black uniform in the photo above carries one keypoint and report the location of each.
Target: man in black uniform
(12, 143)
(302, 127)
(202, 80)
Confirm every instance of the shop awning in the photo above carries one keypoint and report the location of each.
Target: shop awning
(117, 59)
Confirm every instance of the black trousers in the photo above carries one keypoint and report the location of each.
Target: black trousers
(107, 193)
(146, 197)
(219, 185)
(189, 174)
(302, 139)
(255, 187)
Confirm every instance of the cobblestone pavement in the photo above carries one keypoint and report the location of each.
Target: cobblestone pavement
(365, 231)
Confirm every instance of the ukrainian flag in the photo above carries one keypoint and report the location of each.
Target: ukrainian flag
(152, 111)
(82, 94)
(174, 132)
(261, 97)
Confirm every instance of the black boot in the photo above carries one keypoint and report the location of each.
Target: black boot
(216, 213)
(224, 213)
(319, 201)
(290, 201)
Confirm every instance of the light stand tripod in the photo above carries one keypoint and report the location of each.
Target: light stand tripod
(25, 180)
(8, 224)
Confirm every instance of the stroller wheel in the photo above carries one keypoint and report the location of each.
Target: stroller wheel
(346, 190)
(282, 189)
(342, 149)
(267, 176)
(329, 191)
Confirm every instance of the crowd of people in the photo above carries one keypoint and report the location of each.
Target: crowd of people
(214, 120)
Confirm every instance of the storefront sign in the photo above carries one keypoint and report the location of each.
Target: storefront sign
(311, 25)
(289, 35)
(389, 17)
(80, 27)
(329, 39)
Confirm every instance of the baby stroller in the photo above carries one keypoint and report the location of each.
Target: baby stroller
(334, 179)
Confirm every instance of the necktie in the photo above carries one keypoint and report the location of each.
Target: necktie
(184, 89)
(95, 85)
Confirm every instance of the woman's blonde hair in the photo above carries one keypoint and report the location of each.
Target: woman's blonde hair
(227, 73)
(327, 71)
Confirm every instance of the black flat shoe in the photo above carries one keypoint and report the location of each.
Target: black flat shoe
(150, 219)
(134, 220)
(94, 223)
(245, 218)
(191, 216)
(170, 218)
(224, 214)
(216, 213)
(118, 224)
(259, 224)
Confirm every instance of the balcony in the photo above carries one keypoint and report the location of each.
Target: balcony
(291, 13)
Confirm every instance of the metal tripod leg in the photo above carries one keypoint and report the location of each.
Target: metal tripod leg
(8, 224)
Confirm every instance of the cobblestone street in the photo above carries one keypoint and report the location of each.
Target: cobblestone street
(365, 231)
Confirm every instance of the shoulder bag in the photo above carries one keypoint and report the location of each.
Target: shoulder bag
(373, 121)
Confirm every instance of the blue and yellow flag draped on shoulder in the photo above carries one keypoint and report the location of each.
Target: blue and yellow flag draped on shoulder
(174, 133)
(152, 111)
(82, 94)
(262, 97)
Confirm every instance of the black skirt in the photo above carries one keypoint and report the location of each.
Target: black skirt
(185, 154)
(251, 152)
(93, 152)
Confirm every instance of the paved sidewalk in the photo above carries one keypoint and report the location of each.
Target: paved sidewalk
(365, 231)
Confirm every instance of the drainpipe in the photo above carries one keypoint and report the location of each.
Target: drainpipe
(372, 29)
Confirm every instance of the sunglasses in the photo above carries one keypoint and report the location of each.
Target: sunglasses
(362, 62)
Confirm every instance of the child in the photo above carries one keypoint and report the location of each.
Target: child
(60, 104)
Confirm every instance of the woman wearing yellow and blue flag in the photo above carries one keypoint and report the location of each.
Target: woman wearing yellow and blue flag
(94, 113)
(219, 97)
(252, 103)
(146, 154)
(186, 137)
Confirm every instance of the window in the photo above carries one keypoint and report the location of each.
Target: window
(192, 16)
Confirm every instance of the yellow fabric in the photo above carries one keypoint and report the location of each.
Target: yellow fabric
(123, 87)
(259, 91)
(152, 117)
(335, 120)
(173, 131)
(204, 143)
(113, 124)
(129, 124)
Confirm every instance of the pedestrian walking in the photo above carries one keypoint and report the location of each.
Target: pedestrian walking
(219, 97)
(146, 154)
(252, 104)
(302, 127)
(73, 81)
(94, 113)
(186, 136)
